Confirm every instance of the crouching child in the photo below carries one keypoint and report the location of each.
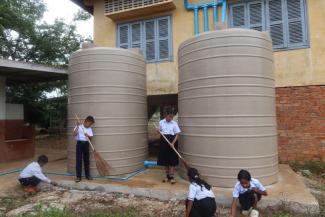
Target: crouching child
(248, 191)
(201, 200)
(32, 175)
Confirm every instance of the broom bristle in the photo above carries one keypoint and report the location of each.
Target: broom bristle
(101, 164)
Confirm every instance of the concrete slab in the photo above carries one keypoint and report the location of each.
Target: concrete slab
(289, 193)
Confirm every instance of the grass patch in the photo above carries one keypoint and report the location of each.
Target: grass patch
(122, 212)
(11, 203)
(316, 167)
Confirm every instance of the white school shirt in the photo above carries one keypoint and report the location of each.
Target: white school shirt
(198, 192)
(169, 128)
(81, 133)
(254, 183)
(34, 169)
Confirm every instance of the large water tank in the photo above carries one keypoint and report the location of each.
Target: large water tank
(110, 84)
(227, 105)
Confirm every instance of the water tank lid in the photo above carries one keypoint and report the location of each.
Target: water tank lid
(239, 32)
(95, 49)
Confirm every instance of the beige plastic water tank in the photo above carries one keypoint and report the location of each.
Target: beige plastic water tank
(227, 105)
(110, 84)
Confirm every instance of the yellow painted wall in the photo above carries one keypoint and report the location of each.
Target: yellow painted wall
(292, 68)
(305, 66)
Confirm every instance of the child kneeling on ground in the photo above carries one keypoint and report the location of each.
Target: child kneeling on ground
(32, 175)
(201, 200)
(248, 191)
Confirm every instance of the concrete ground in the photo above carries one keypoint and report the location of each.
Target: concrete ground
(289, 193)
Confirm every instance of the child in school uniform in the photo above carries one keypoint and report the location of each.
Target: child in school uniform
(248, 191)
(167, 156)
(32, 175)
(201, 200)
(83, 133)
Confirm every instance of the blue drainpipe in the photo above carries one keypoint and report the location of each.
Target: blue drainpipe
(224, 11)
(196, 20)
(215, 13)
(205, 6)
(206, 18)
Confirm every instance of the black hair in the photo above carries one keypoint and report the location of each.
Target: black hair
(90, 119)
(43, 159)
(244, 174)
(194, 176)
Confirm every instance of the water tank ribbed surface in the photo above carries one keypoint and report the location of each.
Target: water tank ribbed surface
(110, 84)
(227, 105)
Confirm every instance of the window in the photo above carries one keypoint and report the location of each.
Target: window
(152, 36)
(284, 19)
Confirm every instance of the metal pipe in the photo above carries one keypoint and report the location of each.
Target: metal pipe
(215, 14)
(214, 4)
(206, 18)
(149, 163)
(224, 11)
(196, 20)
(72, 174)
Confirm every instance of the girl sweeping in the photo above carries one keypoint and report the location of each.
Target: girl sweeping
(201, 200)
(166, 156)
(248, 191)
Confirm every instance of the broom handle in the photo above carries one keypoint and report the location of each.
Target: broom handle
(83, 130)
(171, 145)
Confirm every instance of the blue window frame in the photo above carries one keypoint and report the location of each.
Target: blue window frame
(286, 20)
(152, 36)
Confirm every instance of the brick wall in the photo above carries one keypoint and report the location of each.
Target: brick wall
(301, 123)
(16, 140)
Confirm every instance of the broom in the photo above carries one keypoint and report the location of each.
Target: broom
(101, 164)
(171, 145)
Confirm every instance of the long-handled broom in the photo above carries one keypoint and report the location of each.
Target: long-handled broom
(171, 145)
(102, 166)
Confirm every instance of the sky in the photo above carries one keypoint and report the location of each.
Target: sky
(66, 9)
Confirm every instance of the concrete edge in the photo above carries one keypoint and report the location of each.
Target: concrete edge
(165, 195)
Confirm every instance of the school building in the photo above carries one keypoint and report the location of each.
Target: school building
(297, 30)
(17, 138)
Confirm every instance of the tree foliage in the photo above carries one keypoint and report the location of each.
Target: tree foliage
(24, 37)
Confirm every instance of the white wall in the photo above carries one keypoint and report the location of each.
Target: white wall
(14, 112)
(2, 98)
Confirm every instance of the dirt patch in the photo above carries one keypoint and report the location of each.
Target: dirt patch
(52, 142)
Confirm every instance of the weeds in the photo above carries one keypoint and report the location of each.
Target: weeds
(10, 203)
(122, 212)
(316, 167)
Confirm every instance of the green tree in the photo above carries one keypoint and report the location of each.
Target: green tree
(24, 37)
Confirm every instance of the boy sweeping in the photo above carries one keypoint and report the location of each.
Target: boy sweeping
(32, 175)
(82, 133)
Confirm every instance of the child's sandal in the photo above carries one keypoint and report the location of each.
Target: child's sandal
(167, 179)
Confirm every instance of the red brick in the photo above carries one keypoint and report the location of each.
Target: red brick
(301, 123)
